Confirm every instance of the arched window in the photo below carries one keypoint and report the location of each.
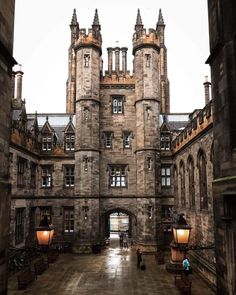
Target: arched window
(191, 182)
(182, 183)
(202, 179)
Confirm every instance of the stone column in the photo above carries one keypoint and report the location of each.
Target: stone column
(110, 59)
(117, 59)
(19, 76)
(207, 90)
(124, 59)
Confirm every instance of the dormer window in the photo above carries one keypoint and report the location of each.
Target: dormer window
(165, 142)
(117, 105)
(47, 143)
(70, 142)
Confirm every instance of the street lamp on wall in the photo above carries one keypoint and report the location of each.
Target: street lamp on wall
(181, 232)
(44, 232)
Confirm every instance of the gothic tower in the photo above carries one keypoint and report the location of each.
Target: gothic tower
(146, 51)
(87, 48)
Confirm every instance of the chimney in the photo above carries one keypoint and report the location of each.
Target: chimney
(124, 59)
(13, 81)
(19, 75)
(110, 59)
(117, 59)
(207, 85)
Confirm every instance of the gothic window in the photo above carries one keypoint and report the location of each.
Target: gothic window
(33, 169)
(46, 211)
(70, 142)
(69, 220)
(191, 182)
(108, 140)
(182, 184)
(47, 176)
(127, 140)
(86, 114)
(21, 167)
(86, 60)
(165, 142)
(176, 185)
(117, 105)
(85, 163)
(165, 175)
(148, 60)
(69, 177)
(118, 177)
(47, 143)
(202, 180)
(19, 225)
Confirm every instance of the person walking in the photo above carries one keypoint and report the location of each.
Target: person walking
(139, 257)
(121, 239)
(125, 241)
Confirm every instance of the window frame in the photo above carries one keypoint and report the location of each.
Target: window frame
(117, 108)
(118, 177)
(19, 225)
(33, 174)
(47, 143)
(69, 178)
(21, 169)
(69, 142)
(165, 142)
(166, 177)
(108, 137)
(69, 222)
(47, 177)
(46, 211)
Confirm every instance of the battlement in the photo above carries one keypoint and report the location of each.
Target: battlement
(88, 38)
(200, 122)
(142, 38)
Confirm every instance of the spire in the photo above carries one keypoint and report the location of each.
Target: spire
(74, 19)
(74, 26)
(160, 19)
(139, 25)
(96, 25)
(139, 20)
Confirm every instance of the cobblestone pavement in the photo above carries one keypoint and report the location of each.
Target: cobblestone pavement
(111, 272)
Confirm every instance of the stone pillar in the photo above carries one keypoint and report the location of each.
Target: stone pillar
(124, 59)
(117, 59)
(19, 76)
(110, 59)
(207, 90)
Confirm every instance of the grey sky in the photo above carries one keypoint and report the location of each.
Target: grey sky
(42, 38)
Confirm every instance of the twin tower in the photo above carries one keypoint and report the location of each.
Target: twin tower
(117, 150)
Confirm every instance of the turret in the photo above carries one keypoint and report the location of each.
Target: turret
(160, 27)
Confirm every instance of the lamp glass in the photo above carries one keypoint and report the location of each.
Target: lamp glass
(44, 236)
(181, 235)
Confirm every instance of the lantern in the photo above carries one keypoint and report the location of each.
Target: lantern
(181, 231)
(44, 233)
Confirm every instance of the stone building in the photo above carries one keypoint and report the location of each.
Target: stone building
(116, 150)
(222, 27)
(7, 10)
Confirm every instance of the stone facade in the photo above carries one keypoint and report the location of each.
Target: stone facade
(7, 10)
(115, 150)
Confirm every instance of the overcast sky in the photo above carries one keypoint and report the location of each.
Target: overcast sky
(42, 39)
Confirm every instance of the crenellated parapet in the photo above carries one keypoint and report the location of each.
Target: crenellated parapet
(146, 38)
(89, 39)
(199, 123)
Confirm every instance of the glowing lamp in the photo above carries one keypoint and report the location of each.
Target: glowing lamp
(181, 231)
(44, 233)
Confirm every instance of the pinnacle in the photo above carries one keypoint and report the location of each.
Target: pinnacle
(160, 18)
(96, 20)
(74, 18)
(139, 20)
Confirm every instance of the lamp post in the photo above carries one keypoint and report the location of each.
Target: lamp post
(44, 233)
(181, 233)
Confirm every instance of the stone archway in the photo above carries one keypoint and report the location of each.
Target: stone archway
(105, 225)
